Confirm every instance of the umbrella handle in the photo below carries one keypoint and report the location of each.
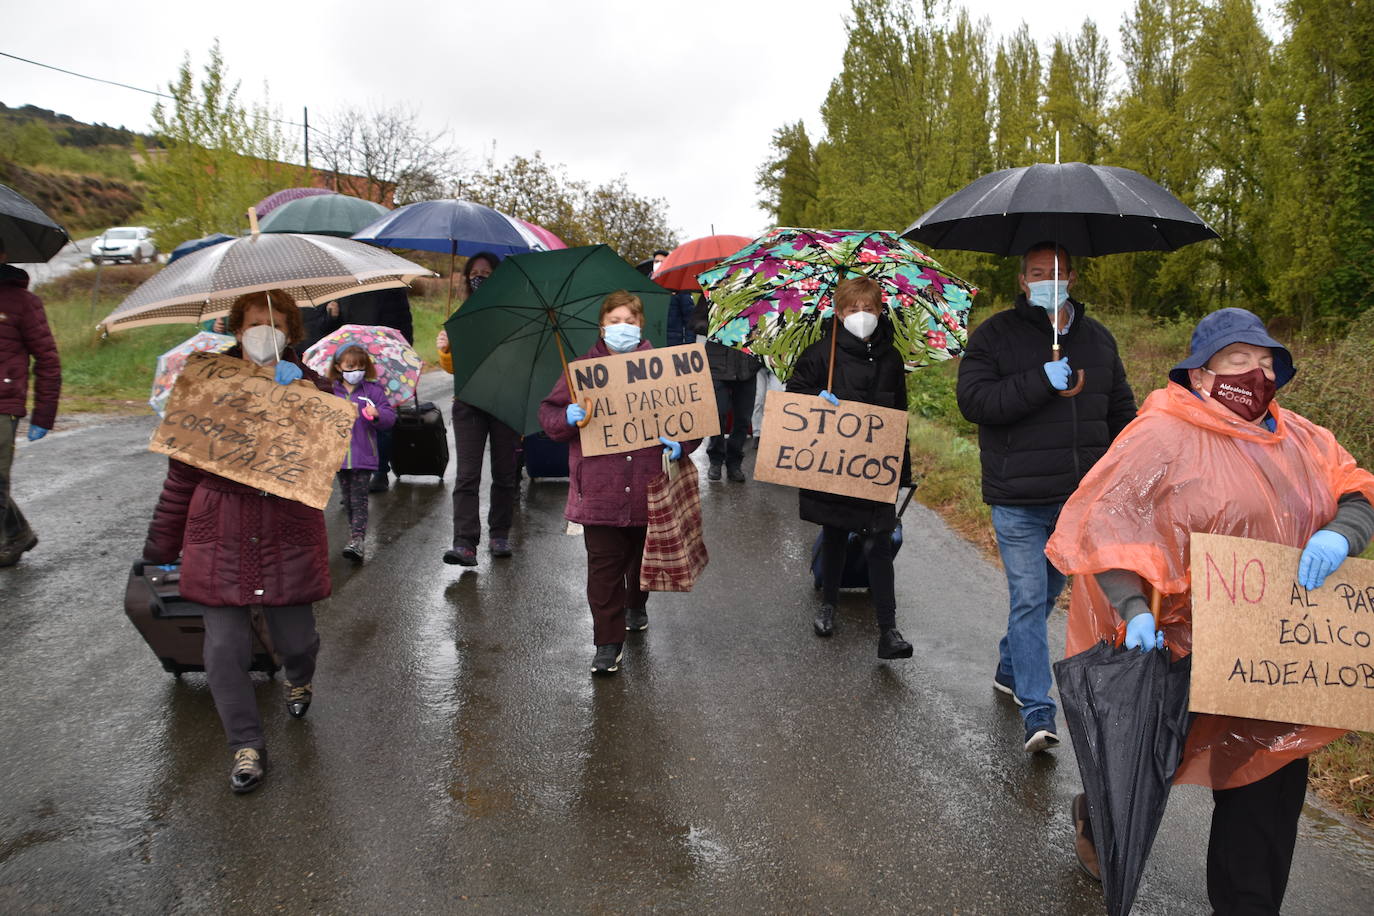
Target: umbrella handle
(1077, 387)
(834, 336)
(587, 406)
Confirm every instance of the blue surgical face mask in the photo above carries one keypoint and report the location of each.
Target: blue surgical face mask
(621, 338)
(1048, 294)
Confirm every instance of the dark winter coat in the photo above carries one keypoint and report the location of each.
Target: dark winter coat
(727, 363)
(25, 336)
(680, 331)
(388, 308)
(604, 489)
(870, 371)
(362, 448)
(239, 546)
(1036, 445)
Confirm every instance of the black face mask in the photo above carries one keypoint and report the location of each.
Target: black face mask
(475, 281)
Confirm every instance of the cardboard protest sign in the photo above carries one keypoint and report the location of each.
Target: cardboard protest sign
(229, 417)
(855, 449)
(638, 396)
(1264, 647)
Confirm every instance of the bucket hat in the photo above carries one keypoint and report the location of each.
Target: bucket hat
(1223, 328)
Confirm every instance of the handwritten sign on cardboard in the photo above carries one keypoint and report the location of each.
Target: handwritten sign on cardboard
(229, 417)
(855, 449)
(638, 396)
(1264, 647)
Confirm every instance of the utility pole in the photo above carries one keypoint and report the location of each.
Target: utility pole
(307, 143)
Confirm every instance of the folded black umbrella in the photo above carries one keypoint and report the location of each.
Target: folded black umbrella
(1128, 714)
(30, 237)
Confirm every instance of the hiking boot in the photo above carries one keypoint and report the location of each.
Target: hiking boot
(246, 773)
(11, 552)
(636, 619)
(607, 658)
(500, 547)
(1083, 846)
(460, 555)
(1004, 684)
(892, 645)
(298, 698)
(354, 551)
(381, 482)
(824, 624)
(713, 472)
(736, 475)
(1041, 734)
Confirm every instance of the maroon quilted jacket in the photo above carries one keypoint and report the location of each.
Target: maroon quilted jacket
(24, 335)
(238, 545)
(604, 489)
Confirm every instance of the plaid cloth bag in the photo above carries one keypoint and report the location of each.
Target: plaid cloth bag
(674, 552)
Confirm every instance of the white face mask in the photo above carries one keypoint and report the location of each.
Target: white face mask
(861, 324)
(354, 376)
(263, 344)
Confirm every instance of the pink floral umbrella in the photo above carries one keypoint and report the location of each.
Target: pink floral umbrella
(170, 364)
(398, 365)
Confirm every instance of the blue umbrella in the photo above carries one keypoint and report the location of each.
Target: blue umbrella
(187, 247)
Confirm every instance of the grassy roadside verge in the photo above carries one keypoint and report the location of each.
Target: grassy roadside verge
(944, 450)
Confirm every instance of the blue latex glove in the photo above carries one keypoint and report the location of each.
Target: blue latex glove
(674, 449)
(286, 372)
(827, 396)
(36, 433)
(1323, 555)
(576, 414)
(1141, 633)
(1058, 372)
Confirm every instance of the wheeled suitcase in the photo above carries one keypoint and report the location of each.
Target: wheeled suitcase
(419, 441)
(543, 457)
(855, 572)
(173, 627)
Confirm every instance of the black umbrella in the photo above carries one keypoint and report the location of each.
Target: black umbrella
(1089, 209)
(30, 237)
(1128, 714)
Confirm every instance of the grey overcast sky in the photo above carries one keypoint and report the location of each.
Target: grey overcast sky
(680, 98)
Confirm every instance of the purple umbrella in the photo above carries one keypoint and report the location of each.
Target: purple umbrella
(273, 201)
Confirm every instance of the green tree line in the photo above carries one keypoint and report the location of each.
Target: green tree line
(1269, 139)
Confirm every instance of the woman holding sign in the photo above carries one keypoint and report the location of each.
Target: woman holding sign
(867, 368)
(243, 551)
(608, 495)
(1213, 452)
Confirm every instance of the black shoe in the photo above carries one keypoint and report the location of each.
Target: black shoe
(824, 623)
(713, 472)
(354, 551)
(892, 645)
(1004, 684)
(1041, 734)
(249, 766)
(298, 699)
(380, 483)
(461, 555)
(735, 474)
(607, 658)
(11, 552)
(636, 619)
(500, 547)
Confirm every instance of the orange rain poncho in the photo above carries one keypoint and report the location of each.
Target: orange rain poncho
(1181, 467)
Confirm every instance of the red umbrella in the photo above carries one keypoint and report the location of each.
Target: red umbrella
(679, 270)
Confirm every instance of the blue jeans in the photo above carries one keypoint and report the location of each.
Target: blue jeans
(1034, 585)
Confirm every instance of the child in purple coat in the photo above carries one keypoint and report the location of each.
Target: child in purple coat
(355, 379)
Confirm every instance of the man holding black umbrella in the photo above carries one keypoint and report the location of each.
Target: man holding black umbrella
(24, 338)
(1039, 433)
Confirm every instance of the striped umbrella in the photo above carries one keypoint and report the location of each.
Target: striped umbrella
(273, 201)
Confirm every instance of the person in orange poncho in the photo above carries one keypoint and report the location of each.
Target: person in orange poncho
(1212, 452)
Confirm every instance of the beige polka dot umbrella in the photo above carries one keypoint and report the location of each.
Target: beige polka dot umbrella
(313, 269)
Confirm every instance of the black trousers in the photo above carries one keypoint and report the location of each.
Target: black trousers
(736, 396)
(1254, 830)
(881, 580)
(229, 653)
(613, 560)
(472, 427)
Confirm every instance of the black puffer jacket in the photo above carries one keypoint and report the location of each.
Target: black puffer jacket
(869, 371)
(1036, 445)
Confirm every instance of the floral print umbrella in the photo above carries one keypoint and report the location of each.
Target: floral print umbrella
(772, 297)
(398, 365)
(170, 364)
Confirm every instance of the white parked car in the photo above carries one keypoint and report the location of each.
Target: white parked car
(131, 244)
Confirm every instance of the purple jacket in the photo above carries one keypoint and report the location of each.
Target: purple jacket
(603, 489)
(362, 451)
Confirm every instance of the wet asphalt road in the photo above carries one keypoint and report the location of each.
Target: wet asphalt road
(459, 755)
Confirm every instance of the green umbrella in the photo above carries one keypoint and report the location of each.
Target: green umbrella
(323, 214)
(513, 337)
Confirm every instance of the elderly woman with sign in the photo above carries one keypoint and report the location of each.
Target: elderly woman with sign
(609, 494)
(1212, 452)
(866, 368)
(245, 552)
